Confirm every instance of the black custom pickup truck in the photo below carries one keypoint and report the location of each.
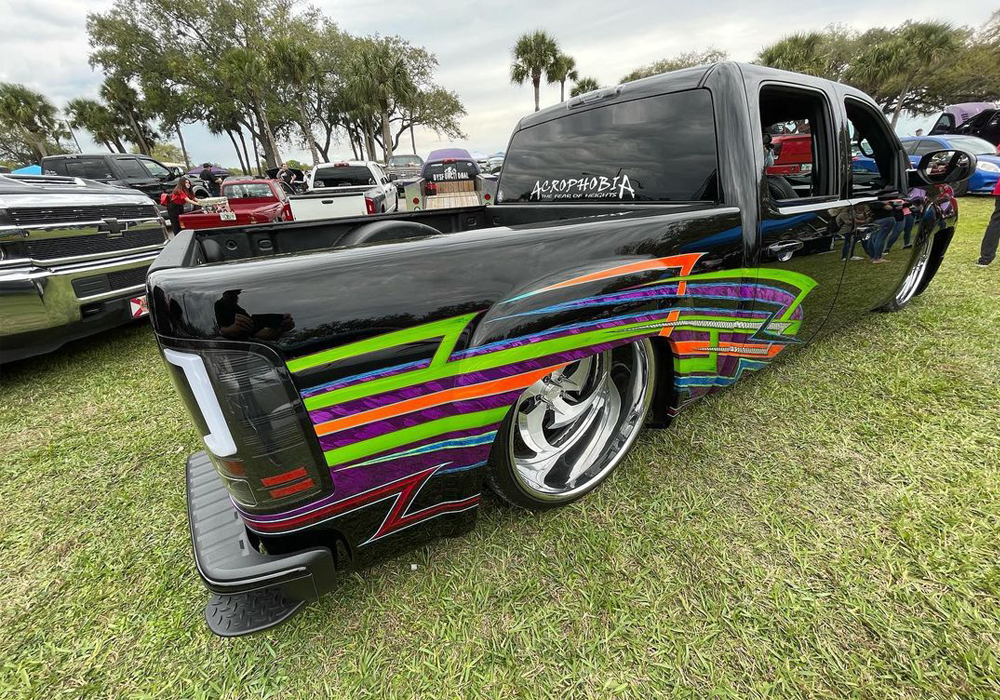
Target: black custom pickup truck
(359, 382)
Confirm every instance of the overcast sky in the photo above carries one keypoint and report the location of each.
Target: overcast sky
(44, 45)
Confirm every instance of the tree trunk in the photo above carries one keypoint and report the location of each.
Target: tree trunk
(246, 153)
(140, 141)
(306, 131)
(562, 90)
(386, 137)
(534, 82)
(236, 148)
(184, 150)
(267, 141)
(413, 140)
(256, 155)
(899, 99)
(354, 148)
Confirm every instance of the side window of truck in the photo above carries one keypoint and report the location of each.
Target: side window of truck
(868, 129)
(654, 149)
(796, 141)
(132, 169)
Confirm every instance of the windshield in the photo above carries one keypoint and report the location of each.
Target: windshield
(343, 176)
(975, 146)
(405, 161)
(249, 190)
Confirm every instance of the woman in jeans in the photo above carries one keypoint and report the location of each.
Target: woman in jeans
(176, 200)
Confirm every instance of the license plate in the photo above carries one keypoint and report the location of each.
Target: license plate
(139, 306)
(227, 215)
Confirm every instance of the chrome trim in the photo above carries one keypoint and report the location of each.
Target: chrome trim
(69, 226)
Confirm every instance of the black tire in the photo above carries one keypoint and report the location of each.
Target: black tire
(587, 415)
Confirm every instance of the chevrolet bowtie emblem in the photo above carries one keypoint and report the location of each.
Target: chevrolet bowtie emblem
(113, 228)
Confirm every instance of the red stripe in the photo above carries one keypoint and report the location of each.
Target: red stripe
(282, 478)
(294, 488)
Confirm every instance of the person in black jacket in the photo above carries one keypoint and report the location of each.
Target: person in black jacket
(212, 181)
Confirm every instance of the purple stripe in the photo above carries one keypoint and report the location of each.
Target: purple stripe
(321, 415)
(391, 425)
(350, 482)
(366, 377)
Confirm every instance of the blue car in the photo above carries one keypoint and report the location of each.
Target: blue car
(983, 181)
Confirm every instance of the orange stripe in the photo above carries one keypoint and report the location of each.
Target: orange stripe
(684, 262)
(672, 316)
(497, 386)
(691, 347)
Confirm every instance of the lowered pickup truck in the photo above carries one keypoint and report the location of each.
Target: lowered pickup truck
(73, 260)
(358, 383)
(348, 188)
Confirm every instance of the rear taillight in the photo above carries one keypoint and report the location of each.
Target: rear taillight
(370, 205)
(430, 189)
(252, 425)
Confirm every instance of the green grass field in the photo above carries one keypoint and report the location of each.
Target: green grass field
(828, 528)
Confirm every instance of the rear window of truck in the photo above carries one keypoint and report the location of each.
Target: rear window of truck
(344, 176)
(655, 149)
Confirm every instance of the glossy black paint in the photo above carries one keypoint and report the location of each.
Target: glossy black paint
(489, 254)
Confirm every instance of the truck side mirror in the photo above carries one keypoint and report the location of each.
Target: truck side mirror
(946, 166)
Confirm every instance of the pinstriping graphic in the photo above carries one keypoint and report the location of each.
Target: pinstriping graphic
(440, 416)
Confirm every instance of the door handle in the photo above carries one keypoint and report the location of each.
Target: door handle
(783, 250)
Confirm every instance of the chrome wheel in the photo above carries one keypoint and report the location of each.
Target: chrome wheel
(569, 430)
(911, 283)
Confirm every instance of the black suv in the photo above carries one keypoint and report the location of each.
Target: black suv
(122, 169)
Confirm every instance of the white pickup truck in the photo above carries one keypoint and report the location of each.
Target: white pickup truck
(347, 188)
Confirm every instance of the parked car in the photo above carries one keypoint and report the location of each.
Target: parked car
(449, 171)
(347, 188)
(983, 180)
(137, 172)
(980, 119)
(249, 201)
(404, 167)
(359, 383)
(73, 260)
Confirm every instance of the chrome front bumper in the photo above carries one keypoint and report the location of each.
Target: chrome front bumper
(41, 308)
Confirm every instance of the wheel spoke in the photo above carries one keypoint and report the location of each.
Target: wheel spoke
(532, 428)
(576, 379)
(611, 406)
(565, 413)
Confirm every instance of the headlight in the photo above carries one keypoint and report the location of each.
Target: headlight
(988, 167)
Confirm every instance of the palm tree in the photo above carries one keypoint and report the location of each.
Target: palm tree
(584, 85)
(293, 64)
(380, 79)
(31, 114)
(801, 53)
(98, 120)
(563, 68)
(123, 99)
(532, 55)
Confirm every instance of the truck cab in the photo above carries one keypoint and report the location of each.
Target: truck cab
(138, 172)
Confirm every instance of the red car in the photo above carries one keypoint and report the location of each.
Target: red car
(793, 155)
(251, 201)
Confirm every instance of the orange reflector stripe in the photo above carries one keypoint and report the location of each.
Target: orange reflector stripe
(282, 478)
(294, 488)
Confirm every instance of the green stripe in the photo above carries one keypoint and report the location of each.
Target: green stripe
(340, 455)
(448, 330)
(475, 364)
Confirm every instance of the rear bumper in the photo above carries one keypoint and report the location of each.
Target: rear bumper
(254, 591)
